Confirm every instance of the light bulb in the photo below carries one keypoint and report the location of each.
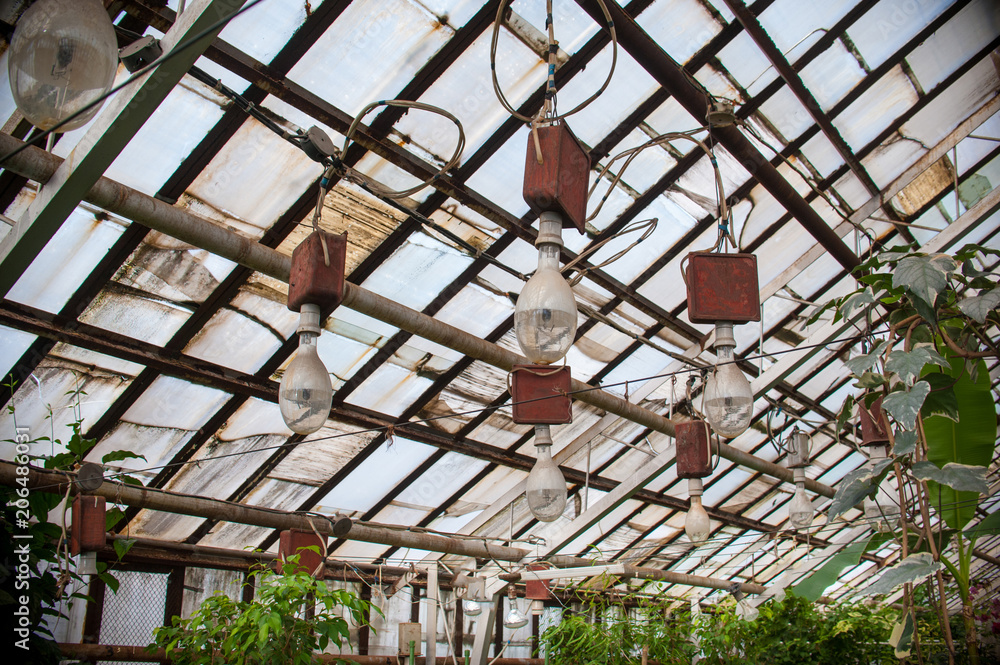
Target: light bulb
(800, 510)
(545, 315)
(747, 611)
(305, 394)
(546, 487)
(515, 619)
(696, 523)
(728, 397)
(471, 608)
(63, 56)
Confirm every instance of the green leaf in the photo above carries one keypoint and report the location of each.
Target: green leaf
(118, 455)
(864, 362)
(112, 517)
(906, 442)
(123, 546)
(910, 364)
(856, 485)
(979, 307)
(989, 526)
(110, 580)
(914, 568)
(941, 401)
(812, 587)
(969, 441)
(870, 380)
(860, 299)
(961, 477)
(904, 405)
(901, 637)
(923, 276)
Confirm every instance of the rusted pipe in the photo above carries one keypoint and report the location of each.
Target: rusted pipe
(690, 580)
(114, 197)
(227, 511)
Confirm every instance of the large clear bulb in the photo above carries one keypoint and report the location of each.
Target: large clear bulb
(63, 56)
(546, 487)
(800, 510)
(728, 397)
(696, 523)
(472, 608)
(746, 611)
(545, 315)
(305, 394)
(515, 619)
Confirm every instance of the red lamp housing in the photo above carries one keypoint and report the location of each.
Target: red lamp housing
(313, 279)
(540, 394)
(88, 532)
(291, 542)
(722, 287)
(694, 451)
(537, 589)
(560, 182)
(874, 429)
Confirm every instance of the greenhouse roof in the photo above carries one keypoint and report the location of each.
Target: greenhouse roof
(883, 116)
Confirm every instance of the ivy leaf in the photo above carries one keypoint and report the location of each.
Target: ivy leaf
(979, 307)
(906, 443)
(856, 485)
(853, 302)
(112, 517)
(909, 364)
(119, 455)
(960, 477)
(861, 364)
(904, 405)
(870, 380)
(914, 568)
(924, 276)
(942, 399)
(123, 546)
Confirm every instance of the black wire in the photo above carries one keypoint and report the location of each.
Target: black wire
(177, 50)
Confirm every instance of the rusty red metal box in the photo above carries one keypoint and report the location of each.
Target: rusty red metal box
(540, 394)
(291, 542)
(873, 426)
(87, 532)
(312, 279)
(560, 182)
(537, 589)
(694, 452)
(722, 287)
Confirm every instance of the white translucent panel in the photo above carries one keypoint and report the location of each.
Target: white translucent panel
(300, 119)
(616, 202)
(476, 311)
(955, 43)
(171, 270)
(342, 356)
(666, 287)
(170, 402)
(889, 160)
(885, 28)
(672, 117)
(359, 327)
(573, 27)
(871, 113)
(97, 363)
(832, 75)
(466, 90)
(48, 402)
(76, 248)
(175, 128)
(603, 343)
(417, 272)
(254, 418)
(263, 30)
(241, 336)
(716, 82)
(673, 223)
(442, 480)
(744, 60)
(961, 99)
(458, 12)
(238, 459)
(795, 27)
(680, 28)
(784, 111)
(269, 493)
(851, 190)
(822, 155)
(255, 177)
(377, 475)
(390, 389)
(394, 178)
(629, 87)
(393, 39)
(158, 445)
(217, 71)
(152, 321)
(13, 344)
(501, 178)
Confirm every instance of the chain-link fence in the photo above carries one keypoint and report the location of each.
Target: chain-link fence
(130, 615)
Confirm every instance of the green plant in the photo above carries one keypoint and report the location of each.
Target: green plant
(34, 552)
(291, 616)
(927, 369)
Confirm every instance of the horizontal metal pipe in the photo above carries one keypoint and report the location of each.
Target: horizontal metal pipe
(338, 527)
(114, 197)
(690, 580)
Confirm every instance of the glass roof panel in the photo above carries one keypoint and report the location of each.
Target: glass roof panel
(263, 29)
(680, 28)
(887, 26)
(832, 75)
